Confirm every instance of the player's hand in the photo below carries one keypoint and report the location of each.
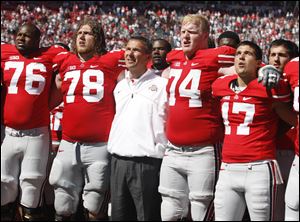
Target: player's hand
(269, 76)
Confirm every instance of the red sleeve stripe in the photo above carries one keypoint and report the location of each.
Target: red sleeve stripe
(121, 62)
(62, 53)
(226, 56)
(231, 62)
(226, 59)
(282, 96)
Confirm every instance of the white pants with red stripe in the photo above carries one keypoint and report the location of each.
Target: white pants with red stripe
(24, 156)
(188, 174)
(80, 166)
(252, 184)
(292, 193)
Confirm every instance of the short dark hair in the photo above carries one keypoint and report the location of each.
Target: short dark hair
(145, 41)
(230, 35)
(253, 45)
(291, 47)
(33, 27)
(98, 33)
(167, 44)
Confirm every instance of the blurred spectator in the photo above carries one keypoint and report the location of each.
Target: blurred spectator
(152, 19)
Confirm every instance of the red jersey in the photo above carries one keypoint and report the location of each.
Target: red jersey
(87, 88)
(55, 122)
(250, 122)
(193, 116)
(291, 74)
(26, 82)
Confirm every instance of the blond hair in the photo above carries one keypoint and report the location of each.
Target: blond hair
(198, 20)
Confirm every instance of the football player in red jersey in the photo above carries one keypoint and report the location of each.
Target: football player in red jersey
(249, 172)
(56, 126)
(193, 127)
(281, 51)
(87, 79)
(27, 74)
(291, 74)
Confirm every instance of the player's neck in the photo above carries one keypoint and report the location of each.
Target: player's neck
(28, 53)
(191, 54)
(161, 66)
(244, 81)
(85, 57)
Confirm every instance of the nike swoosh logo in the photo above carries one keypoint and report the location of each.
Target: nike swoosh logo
(34, 58)
(246, 98)
(94, 66)
(194, 64)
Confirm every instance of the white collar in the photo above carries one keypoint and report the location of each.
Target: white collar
(144, 75)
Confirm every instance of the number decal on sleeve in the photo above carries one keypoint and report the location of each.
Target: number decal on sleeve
(193, 93)
(29, 79)
(55, 121)
(88, 85)
(243, 128)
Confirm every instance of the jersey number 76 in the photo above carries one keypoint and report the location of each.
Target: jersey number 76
(30, 77)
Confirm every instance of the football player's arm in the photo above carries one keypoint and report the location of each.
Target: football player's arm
(56, 96)
(227, 70)
(285, 112)
(225, 59)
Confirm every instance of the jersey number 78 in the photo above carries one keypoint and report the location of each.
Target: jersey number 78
(88, 85)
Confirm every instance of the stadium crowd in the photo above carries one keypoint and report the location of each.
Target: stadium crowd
(120, 20)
